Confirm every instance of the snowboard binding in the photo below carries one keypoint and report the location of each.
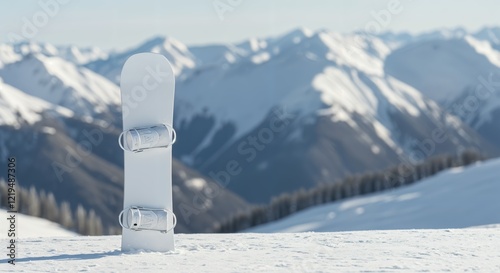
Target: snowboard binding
(138, 139)
(140, 218)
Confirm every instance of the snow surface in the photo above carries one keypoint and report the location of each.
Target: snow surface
(473, 250)
(457, 198)
(32, 227)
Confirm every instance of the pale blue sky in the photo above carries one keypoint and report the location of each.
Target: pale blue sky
(120, 24)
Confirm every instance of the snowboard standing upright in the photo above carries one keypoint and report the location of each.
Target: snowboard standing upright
(147, 89)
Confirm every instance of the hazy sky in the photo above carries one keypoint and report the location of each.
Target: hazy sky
(119, 24)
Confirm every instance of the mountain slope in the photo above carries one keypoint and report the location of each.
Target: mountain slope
(8, 55)
(442, 69)
(461, 74)
(461, 197)
(18, 107)
(375, 251)
(81, 56)
(62, 83)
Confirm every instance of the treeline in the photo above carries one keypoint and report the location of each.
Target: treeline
(43, 205)
(286, 204)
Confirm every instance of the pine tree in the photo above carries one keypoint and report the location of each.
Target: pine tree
(81, 218)
(49, 206)
(3, 193)
(65, 215)
(91, 223)
(34, 206)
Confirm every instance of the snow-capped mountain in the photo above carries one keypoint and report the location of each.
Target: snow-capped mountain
(81, 56)
(398, 39)
(78, 55)
(60, 82)
(345, 114)
(460, 74)
(8, 55)
(176, 52)
(443, 69)
(292, 111)
(457, 198)
(209, 55)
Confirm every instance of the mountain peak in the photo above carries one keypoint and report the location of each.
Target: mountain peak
(154, 41)
(161, 42)
(301, 31)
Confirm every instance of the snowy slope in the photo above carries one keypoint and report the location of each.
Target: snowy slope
(8, 55)
(490, 34)
(453, 199)
(460, 74)
(443, 69)
(32, 227)
(17, 107)
(471, 250)
(62, 83)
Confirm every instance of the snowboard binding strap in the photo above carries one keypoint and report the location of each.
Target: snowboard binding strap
(141, 138)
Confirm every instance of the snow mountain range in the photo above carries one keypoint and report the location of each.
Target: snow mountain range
(295, 110)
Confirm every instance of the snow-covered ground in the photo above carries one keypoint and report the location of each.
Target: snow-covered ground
(31, 227)
(363, 251)
(457, 198)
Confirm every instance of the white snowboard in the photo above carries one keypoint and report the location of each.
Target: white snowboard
(147, 87)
